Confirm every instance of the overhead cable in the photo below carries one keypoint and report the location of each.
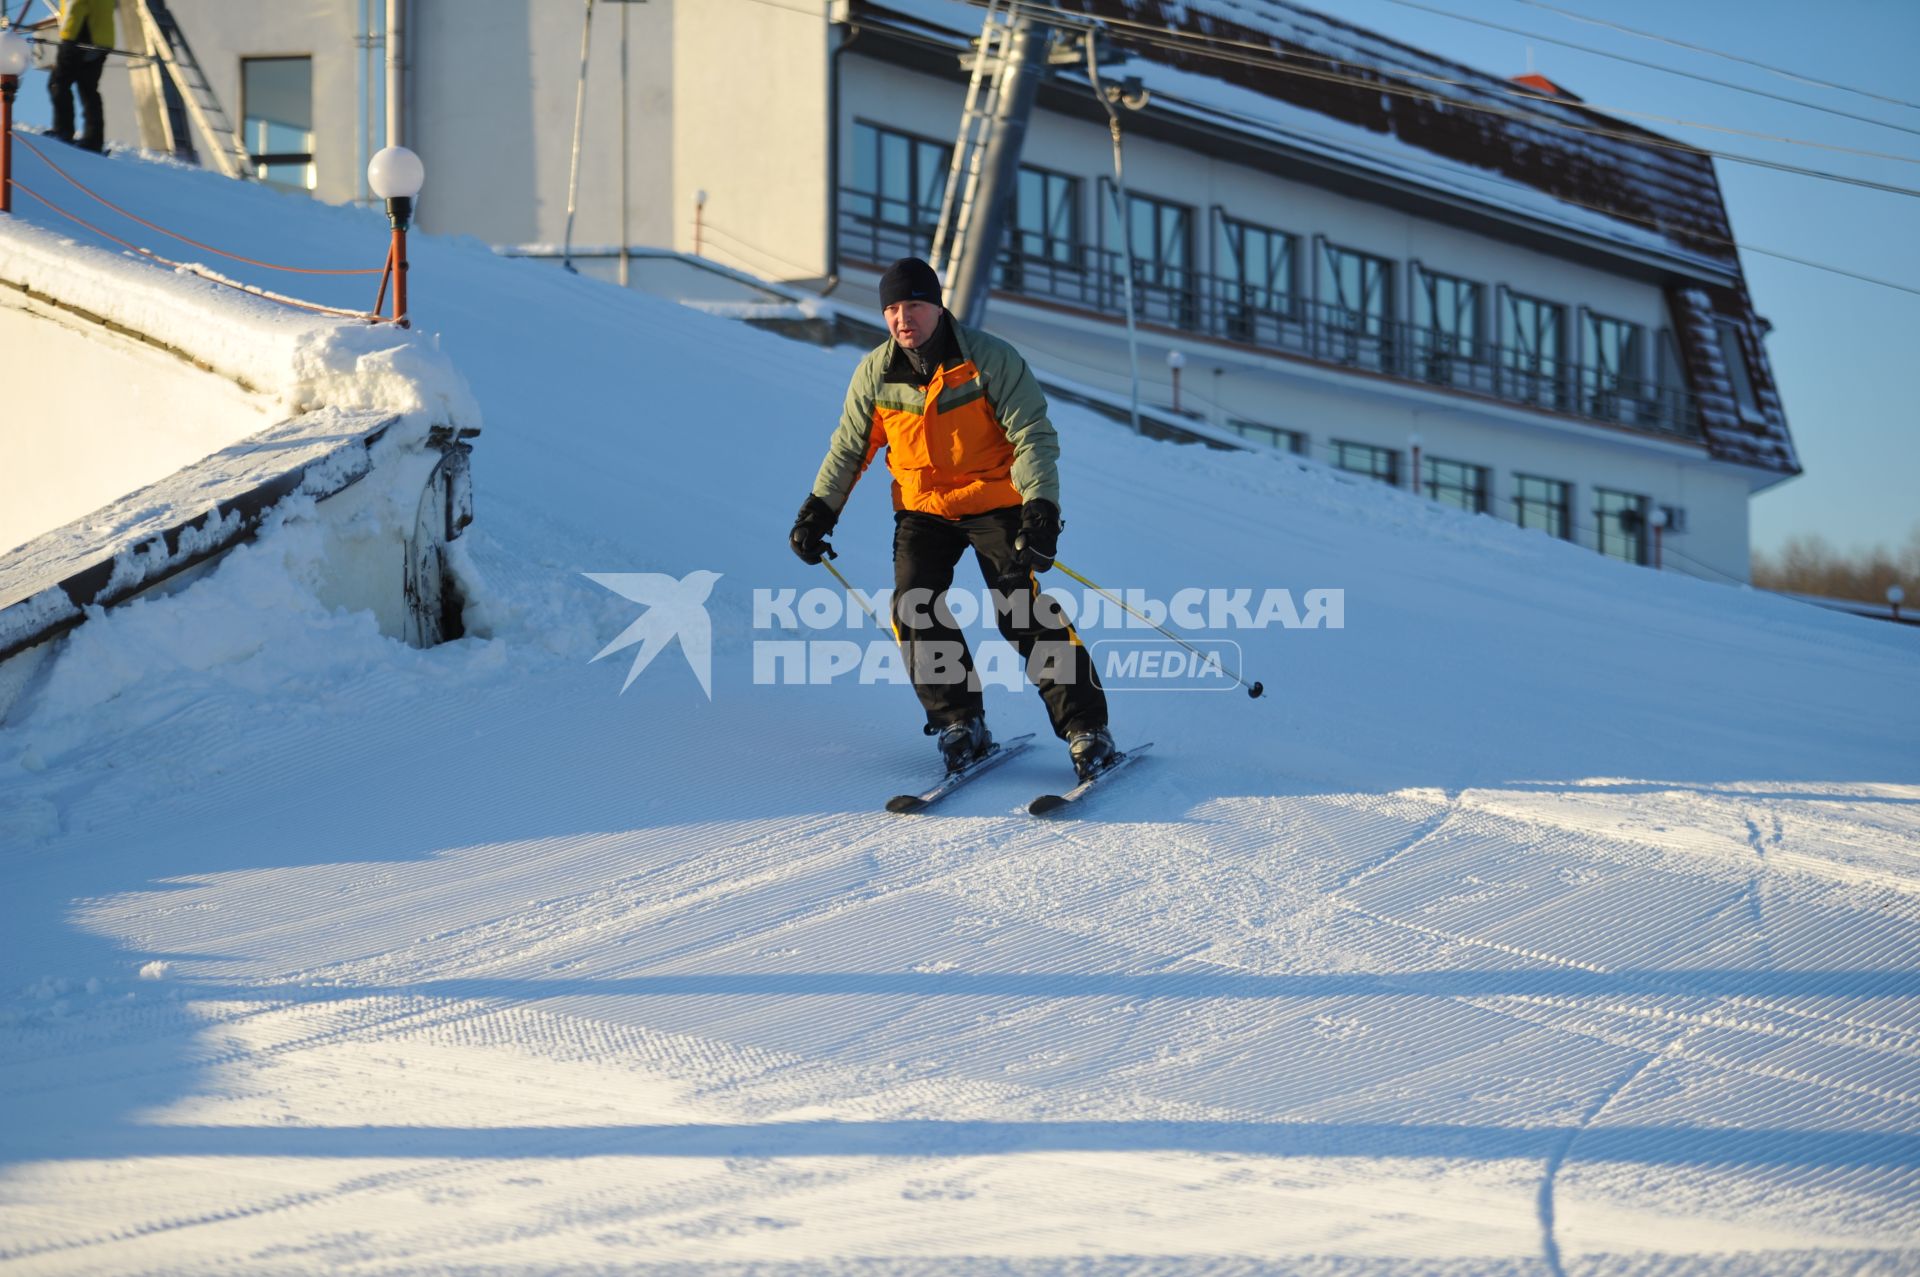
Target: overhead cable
(1782, 72)
(1439, 164)
(1275, 62)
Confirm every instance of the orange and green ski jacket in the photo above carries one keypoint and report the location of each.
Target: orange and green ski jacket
(974, 438)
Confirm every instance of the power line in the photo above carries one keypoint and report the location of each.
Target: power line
(1782, 72)
(766, 254)
(1166, 33)
(1656, 66)
(814, 12)
(1272, 62)
(1438, 164)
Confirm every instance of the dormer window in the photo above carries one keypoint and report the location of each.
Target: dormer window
(1733, 353)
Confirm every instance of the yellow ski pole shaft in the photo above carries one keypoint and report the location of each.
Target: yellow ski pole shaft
(847, 585)
(1255, 691)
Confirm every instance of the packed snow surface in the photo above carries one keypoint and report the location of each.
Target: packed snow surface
(1549, 916)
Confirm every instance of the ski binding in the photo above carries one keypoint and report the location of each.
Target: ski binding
(999, 752)
(1047, 804)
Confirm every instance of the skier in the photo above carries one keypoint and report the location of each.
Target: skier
(86, 35)
(973, 457)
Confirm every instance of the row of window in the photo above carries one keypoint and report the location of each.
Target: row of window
(1620, 518)
(1256, 294)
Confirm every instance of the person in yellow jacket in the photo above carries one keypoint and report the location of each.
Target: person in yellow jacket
(86, 34)
(974, 462)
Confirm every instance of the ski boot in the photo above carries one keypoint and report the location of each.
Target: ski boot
(964, 742)
(1091, 750)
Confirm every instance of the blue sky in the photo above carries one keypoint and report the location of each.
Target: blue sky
(1841, 349)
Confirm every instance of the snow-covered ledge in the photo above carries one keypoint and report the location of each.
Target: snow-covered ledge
(162, 419)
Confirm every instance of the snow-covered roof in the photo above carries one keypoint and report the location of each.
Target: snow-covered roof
(1286, 75)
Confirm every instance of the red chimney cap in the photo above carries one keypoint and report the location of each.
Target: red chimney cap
(1541, 84)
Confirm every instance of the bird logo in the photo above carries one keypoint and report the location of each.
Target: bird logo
(674, 609)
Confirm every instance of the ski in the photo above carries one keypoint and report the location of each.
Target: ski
(1047, 804)
(999, 753)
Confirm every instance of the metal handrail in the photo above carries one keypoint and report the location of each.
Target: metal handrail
(1270, 319)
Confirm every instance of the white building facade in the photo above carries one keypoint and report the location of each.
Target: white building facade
(1513, 304)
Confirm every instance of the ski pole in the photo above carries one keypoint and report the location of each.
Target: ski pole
(1254, 691)
(847, 585)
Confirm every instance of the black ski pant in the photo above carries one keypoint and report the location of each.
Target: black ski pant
(78, 68)
(926, 548)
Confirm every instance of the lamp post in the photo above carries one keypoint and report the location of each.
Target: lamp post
(1895, 597)
(699, 215)
(396, 175)
(1175, 362)
(15, 53)
(1413, 445)
(1657, 520)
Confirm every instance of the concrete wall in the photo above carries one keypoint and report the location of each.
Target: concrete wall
(119, 415)
(750, 126)
(492, 105)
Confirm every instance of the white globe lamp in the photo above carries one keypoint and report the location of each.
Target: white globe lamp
(15, 54)
(396, 175)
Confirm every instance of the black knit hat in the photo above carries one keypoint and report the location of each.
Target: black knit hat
(909, 280)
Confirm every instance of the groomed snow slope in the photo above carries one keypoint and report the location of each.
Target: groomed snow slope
(1552, 916)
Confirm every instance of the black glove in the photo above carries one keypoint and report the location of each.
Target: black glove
(810, 529)
(1039, 537)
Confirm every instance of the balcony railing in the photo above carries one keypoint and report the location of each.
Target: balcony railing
(1216, 306)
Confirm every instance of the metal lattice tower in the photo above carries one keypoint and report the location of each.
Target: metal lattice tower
(976, 128)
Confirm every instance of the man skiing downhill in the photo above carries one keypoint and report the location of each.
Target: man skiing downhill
(973, 459)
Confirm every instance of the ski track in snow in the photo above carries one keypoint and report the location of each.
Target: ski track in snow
(1552, 918)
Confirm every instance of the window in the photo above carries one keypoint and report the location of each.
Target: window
(1621, 520)
(1256, 266)
(1160, 236)
(896, 186)
(1356, 304)
(1446, 322)
(1531, 349)
(276, 96)
(1362, 458)
(1544, 504)
(1610, 373)
(1456, 483)
(1673, 411)
(1294, 441)
(1044, 240)
(1046, 216)
(1734, 355)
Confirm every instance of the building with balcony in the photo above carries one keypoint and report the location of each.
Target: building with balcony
(1419, 272)
(1392, 263)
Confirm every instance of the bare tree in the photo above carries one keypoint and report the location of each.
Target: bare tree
(1807, 564)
